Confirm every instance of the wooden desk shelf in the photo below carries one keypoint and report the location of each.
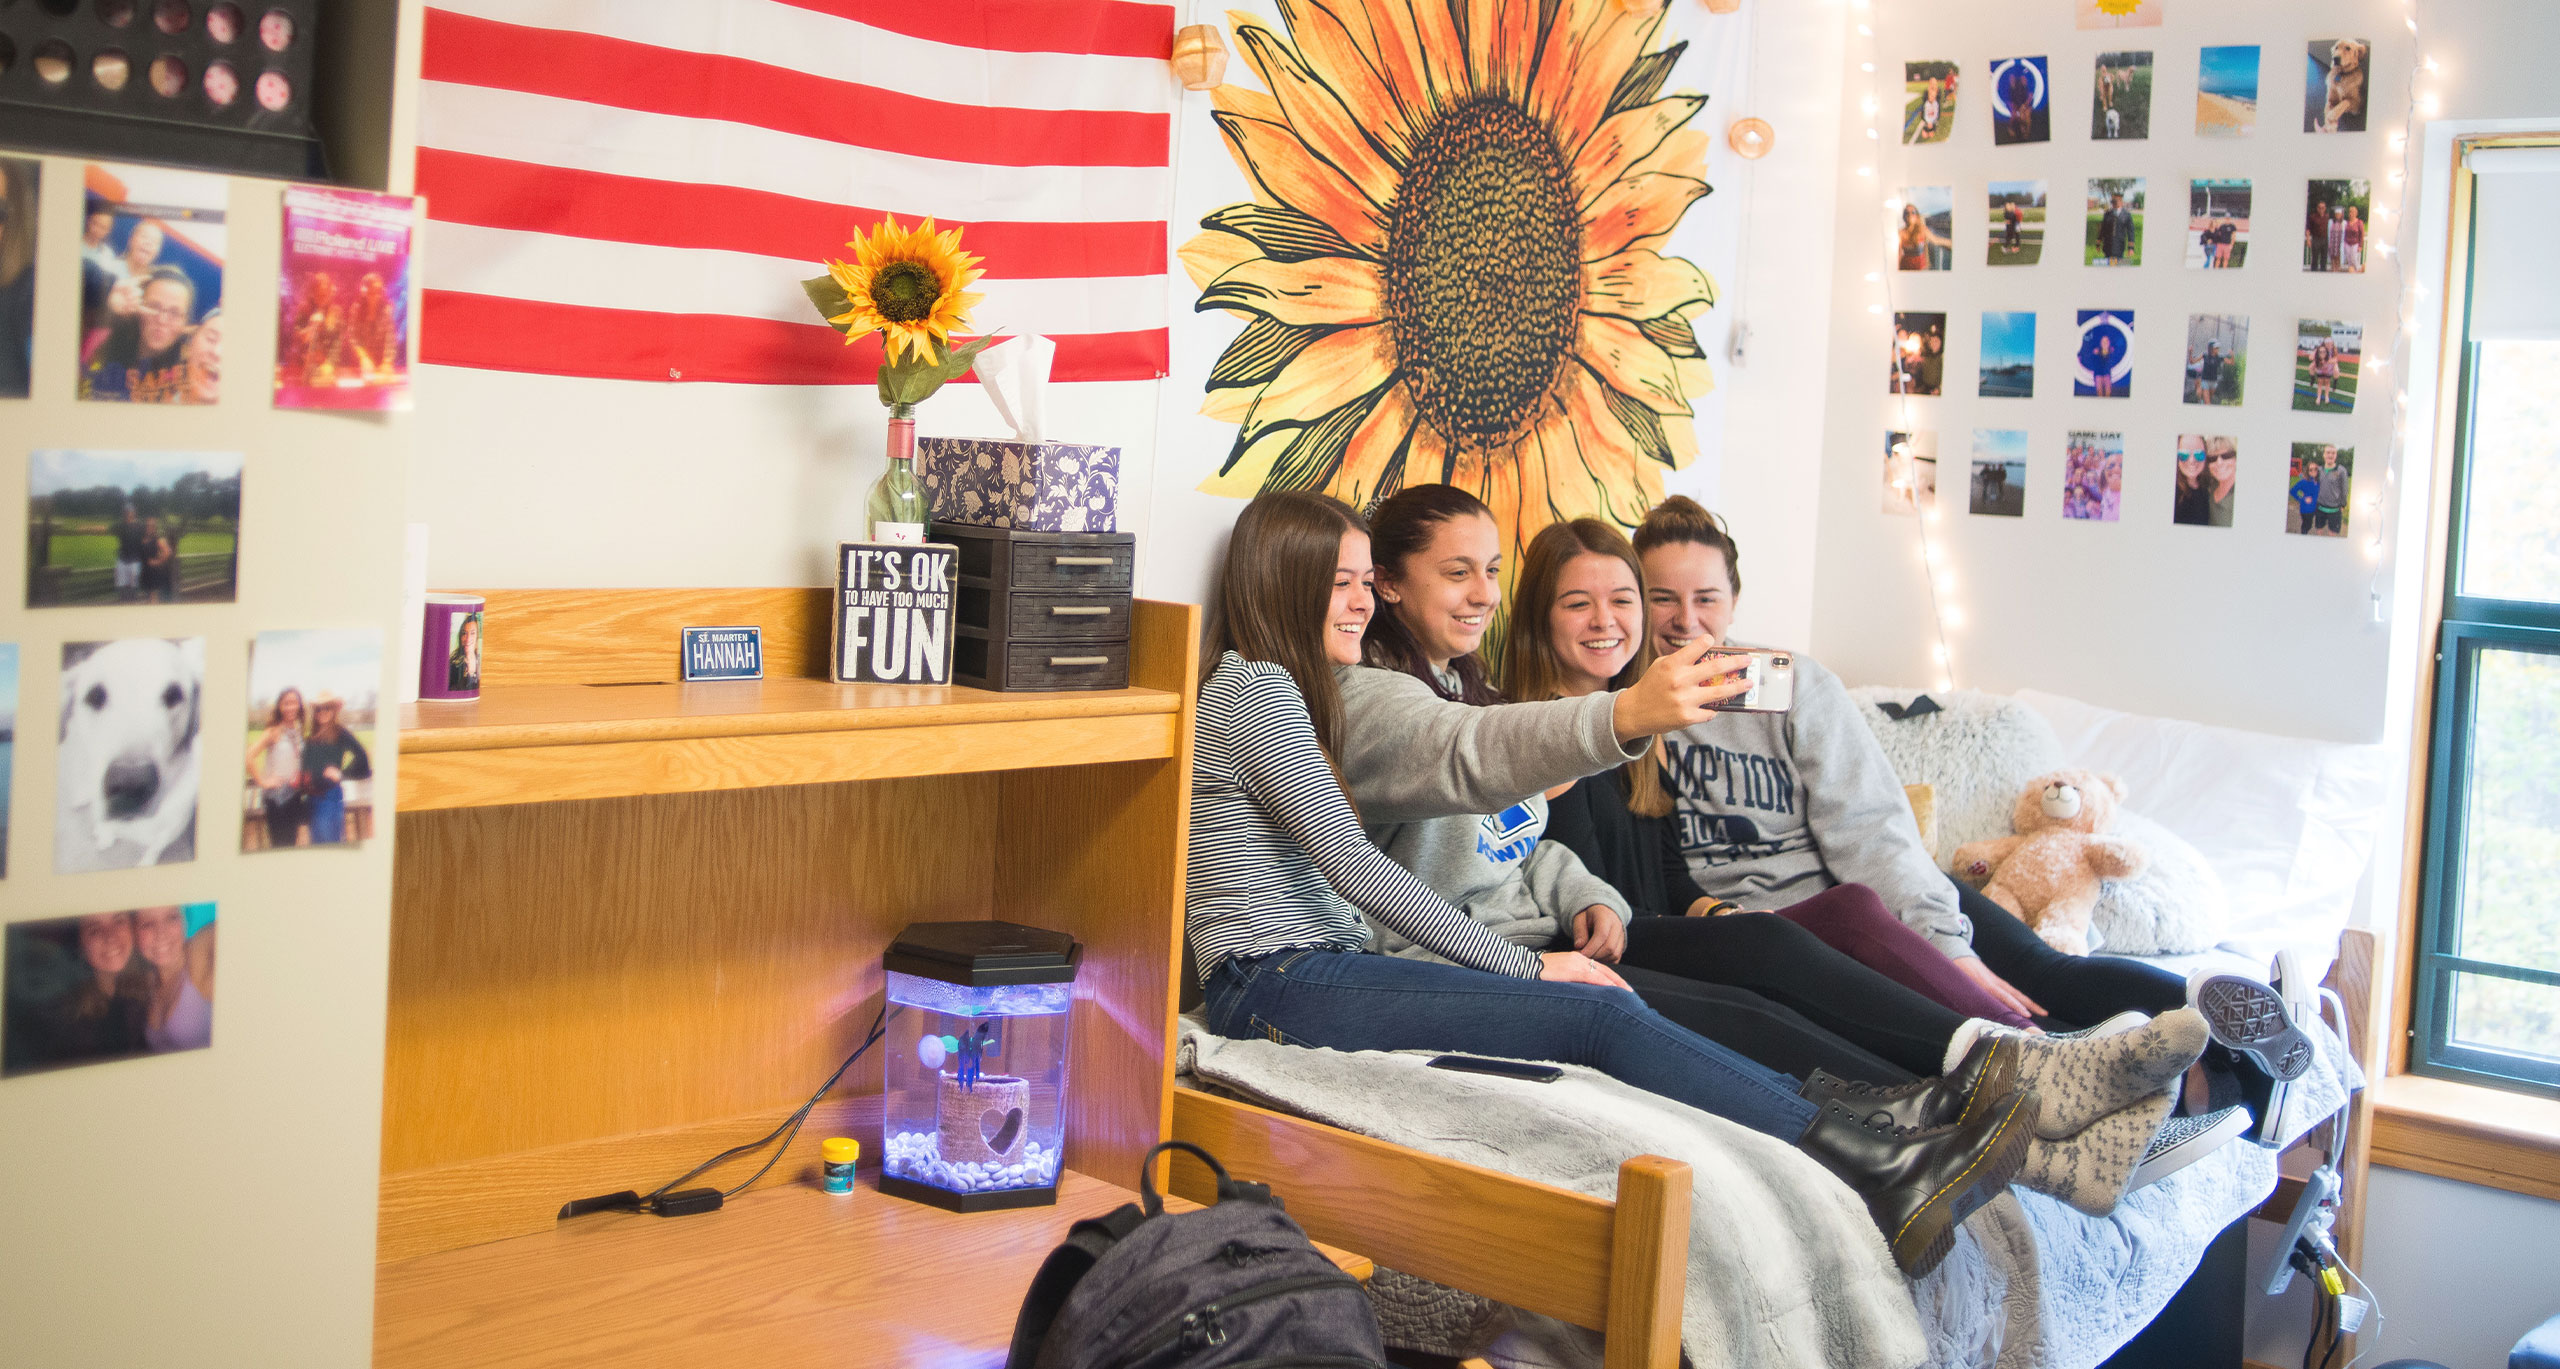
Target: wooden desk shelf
(635, 924)
(780, 1279)
(546, 743)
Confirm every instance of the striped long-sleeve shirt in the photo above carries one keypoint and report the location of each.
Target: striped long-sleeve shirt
(1276, 849)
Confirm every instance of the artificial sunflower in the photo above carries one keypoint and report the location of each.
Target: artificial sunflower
(1449, 269)
(911, 285)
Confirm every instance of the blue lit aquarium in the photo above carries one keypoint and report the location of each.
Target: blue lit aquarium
(975, 1112)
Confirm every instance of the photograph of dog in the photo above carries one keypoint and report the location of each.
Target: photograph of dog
(2333, 87)
(109, 527)
(127, 770)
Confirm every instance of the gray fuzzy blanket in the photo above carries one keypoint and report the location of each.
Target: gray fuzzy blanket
(1785, 1269)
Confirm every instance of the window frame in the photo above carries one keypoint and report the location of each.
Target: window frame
(2466, 625)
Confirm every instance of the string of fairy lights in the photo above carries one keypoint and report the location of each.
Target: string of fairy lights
(1883, 90)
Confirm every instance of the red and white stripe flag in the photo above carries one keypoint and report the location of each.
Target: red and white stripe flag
(634, 189)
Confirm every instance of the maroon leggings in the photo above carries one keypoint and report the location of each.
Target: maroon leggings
(1850, 919)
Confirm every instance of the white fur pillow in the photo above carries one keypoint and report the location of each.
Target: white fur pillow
(1976, 752)
(2175, 906)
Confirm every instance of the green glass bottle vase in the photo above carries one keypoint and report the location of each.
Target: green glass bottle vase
(898, 510)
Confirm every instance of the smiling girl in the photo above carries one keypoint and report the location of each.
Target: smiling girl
(1280, 873)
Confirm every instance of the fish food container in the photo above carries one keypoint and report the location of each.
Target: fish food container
(974, 1116)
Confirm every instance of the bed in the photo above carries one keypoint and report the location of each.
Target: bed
(2031, 1285)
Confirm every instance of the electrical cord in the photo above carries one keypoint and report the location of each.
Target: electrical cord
(670, 1199)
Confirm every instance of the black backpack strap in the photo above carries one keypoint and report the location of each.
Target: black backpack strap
(1087, 1242)
(1229, 1189)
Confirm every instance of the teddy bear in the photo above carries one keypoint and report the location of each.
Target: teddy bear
(2048, 874)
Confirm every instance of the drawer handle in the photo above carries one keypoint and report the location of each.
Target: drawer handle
(1079, 660)
(1074, 611)
(1084, 560)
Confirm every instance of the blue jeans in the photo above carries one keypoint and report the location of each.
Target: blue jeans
(329, 816)
(1355, 1002)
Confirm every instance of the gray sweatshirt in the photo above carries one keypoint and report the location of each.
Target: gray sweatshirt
(1773, 808)
(1455, 793)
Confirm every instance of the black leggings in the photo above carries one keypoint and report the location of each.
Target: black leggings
(1740, 1020)
(1792, 968)
(2075, 990)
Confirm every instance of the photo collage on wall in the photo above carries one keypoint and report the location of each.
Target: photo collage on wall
(157, 527)
(2219, 228)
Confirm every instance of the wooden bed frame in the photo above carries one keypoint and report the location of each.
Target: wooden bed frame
(1618, 1268)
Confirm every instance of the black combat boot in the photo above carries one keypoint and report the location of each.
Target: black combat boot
(1920, 1185)
(1987, 1073)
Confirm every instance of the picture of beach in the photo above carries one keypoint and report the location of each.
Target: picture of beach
(1924, 229)
(2021, 101)
(2227, 92)
(1999, 485)
(2104, 358)
(2327, 354)
(1910, 471)
(2217, 225)
(2334, 80)
(2217, 358)
(2093, 477)
(2114, 233)
(2120, 97)
(1929, 101)
(2008, 354)
(2017, 223)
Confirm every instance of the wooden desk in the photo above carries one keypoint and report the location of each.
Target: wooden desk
(781, 1277)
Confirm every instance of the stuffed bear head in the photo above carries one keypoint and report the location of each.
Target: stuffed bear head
(2068, 800)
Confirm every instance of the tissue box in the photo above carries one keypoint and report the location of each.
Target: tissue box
(1029, 486)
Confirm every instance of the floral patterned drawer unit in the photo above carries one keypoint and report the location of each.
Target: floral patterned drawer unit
(1031, 486)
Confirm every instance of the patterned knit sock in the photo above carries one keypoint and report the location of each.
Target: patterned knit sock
(2085, 1079)
(2091, 1170)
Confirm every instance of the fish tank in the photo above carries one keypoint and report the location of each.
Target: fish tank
(974, 1115)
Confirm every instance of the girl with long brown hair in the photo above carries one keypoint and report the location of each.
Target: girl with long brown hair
(1278, 863)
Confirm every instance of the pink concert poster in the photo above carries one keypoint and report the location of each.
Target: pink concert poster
(342, 331)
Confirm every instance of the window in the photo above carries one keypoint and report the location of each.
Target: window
(2488, 963)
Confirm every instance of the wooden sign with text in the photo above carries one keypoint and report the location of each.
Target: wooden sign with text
(894, 611)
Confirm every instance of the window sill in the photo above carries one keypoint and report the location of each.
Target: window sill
(2468, 1133)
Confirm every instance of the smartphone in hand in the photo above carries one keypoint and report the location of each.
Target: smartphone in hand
(1773, 681)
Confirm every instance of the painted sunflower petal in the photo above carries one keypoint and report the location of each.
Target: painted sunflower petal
(1614, 436)
(1590, 46)
(1635, 209)
(1427, 459)
(1317, 115)
(1230, 405)
(1684, 153)
(1399, 56)
(1643, 284)
(1249, 464)
(1283, 234)
(1340, 59)
(1502, 38)
(1210, 255)
(1625, 139)
(1258, 354)
(1628, 363)
(1435, 24)
(1291, 175)
(1642, 85)
(1311, 462)
(1375, 453)
(1333, 371)
(1246, 103)
(1319, 290)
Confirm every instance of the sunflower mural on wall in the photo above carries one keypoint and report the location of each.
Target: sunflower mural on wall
(1450, 270)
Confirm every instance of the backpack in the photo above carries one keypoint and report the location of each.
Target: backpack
(1233, 1285)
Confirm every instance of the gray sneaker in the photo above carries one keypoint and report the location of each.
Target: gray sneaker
(2184, 1140)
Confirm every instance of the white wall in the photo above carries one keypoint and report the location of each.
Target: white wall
(2245, 626)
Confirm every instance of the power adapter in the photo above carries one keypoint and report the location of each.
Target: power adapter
(685, 1202)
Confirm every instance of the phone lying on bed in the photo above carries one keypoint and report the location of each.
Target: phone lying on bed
(1773, 680)
(1507, 1069)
